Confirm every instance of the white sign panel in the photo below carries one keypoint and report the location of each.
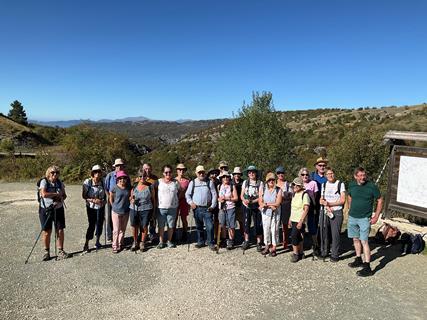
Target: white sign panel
(412, 183)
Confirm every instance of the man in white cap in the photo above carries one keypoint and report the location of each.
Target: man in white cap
(202, 197)
(110, 182)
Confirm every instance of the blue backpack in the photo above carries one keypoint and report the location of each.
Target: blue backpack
(412, 243)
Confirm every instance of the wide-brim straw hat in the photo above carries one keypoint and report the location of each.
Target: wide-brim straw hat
(118, 162)
(223, 164)
(181, 166)
(237, 170)
(270, 176)
(212, 170)
(298, 182)
(320, 160)
(224, 174)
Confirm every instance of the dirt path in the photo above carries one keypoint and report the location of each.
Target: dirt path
(188, 285)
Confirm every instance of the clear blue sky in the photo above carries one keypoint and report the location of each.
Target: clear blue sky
(201, 59)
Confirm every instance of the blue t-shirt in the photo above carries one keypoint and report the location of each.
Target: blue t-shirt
(121, 200)
(319, 180)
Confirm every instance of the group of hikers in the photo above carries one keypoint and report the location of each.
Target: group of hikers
(309, 205)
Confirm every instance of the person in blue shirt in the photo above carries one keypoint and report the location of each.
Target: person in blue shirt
(110, 182)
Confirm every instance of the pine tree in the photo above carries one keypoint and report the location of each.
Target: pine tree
(17, 113)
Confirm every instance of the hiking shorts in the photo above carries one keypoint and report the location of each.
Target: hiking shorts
(48, 221)
(166, 217)
(227, 218)
(359, 228)
(297, 234)
(139, 218)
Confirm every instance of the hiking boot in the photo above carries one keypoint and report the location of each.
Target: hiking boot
(98, 245)
(245, 245)
(265, 251)
(171, 244)
(356, 263)
(199, 245)
(142, 247)
(134, 247)
(259, 247)
(230, 244)
(46, 256)
(332, 259)
(62, 255)
(294, 258)
(161, 245)
(212, 247)
(86, 248)
(366, 271)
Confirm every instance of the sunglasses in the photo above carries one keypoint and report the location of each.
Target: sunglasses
(270, 180)
(181, 169)
(54, 172)
(167, 172)
(304, 174)
(321, 165)
(251, 172)
(280, 173)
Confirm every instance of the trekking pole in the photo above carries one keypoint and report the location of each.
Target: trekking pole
(218, 236)
(189, 230)
(56, 230)
(38, 237)
(382, 170)
(178, 239)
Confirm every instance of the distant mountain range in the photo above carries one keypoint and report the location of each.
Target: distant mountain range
(70, 123)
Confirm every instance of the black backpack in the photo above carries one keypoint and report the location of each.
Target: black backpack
(412, 243)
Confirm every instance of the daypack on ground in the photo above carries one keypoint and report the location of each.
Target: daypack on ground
(412, 243)
(387, 234)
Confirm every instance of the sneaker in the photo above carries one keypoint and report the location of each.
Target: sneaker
(46, 256)
(273, 253)
(199, 245)
(245, 245)
(161, 245)
(259, 247)
(332, 259)
(98, 245)
(115, 251)
(86, 248)
(171, 244)
(230, 244)
(212, 247)
(316, 252)
(366, 271)
(265, 251)
(142, 247)
(356, 263)
(294, 258)
(62, 255)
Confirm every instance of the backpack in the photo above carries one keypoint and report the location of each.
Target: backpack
(58, 184)
(387, 234)
(412, 243)
(338, 189)
(208, 184)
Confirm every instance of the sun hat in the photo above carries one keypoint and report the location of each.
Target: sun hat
(237, 170)
(298, 182)
(181, 166)
(96, 167)
(212, 170)
(224, 174)
(118, 162)
(270, 176)
(222, 164)
(321, 159)
(280, 169)
(121, 174)
(200, 168)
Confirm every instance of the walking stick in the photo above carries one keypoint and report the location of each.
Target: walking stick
(178, 239)
(189, 230)
(218, 236)
(38, 237)
(56, 230)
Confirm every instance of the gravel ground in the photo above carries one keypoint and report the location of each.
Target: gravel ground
(198, 284)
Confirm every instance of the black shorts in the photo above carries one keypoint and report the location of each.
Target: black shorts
(297, 234)
(46, 219)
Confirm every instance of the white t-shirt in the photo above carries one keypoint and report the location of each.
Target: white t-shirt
(168, 194)
(331, 193)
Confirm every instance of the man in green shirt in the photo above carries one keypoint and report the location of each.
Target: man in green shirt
(362, 195)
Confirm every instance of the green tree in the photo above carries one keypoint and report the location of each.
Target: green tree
(17, 113)
(363, 148)
(257, 136)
